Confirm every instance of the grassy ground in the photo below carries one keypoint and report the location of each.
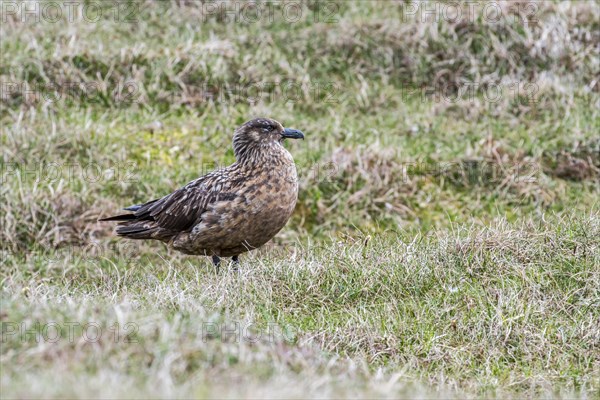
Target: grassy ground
(445, 242)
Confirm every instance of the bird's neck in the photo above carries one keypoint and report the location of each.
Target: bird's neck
(267, 155)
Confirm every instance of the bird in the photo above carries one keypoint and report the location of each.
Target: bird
(228, 211)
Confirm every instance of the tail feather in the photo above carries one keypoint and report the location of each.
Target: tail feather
(139, 231)
(135, 230)
(122, 217)
(139, 226)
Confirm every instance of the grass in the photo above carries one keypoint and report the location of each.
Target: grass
(445, 242)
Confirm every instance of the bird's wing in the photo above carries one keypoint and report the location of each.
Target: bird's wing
(181, 210)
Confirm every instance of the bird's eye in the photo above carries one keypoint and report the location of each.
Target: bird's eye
(269, 128)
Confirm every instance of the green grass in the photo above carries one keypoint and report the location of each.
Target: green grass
(439, 248)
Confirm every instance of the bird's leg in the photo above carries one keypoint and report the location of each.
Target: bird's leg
(236, 262)
(216, 261)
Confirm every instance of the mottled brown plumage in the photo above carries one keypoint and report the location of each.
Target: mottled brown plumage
(228, 211)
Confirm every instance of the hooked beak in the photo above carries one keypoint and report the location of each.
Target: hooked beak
(292, 134)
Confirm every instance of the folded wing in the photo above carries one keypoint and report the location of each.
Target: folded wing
(177, 212)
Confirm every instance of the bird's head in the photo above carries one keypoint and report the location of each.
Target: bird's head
(260, 134)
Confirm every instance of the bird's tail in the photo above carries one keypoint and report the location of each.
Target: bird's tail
(138, 226)
(122, 217)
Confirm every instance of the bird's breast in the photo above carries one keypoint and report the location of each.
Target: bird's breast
(270, 198)
(253, 210)
(275, 189)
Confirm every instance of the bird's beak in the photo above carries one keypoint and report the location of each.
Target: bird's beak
(292, 134)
